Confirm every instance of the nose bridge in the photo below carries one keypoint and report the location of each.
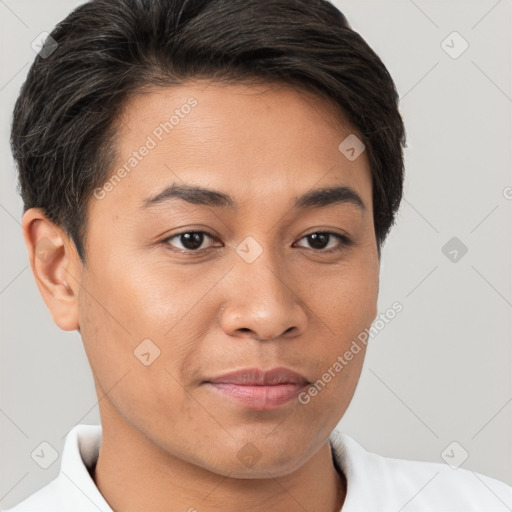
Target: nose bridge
(261, 297)
(264, 278)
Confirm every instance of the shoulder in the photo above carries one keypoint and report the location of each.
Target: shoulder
(73, 488)
(394, 484)
(437, 486)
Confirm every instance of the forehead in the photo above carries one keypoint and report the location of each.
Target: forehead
(255, 141)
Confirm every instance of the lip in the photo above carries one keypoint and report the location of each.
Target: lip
(259, 389)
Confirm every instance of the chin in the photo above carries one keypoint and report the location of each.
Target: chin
(261, 459)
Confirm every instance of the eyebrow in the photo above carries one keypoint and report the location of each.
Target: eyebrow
(194, 194)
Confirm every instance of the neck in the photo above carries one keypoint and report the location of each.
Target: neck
(134, 474)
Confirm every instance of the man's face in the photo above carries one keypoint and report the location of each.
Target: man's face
(162, 316)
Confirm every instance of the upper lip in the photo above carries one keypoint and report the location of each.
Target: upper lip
(258, 377)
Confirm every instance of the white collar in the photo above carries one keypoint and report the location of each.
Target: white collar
(374, 482)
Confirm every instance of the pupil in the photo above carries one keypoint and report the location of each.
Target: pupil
(318, 240)
(191, 240)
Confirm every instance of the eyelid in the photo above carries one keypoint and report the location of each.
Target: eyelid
(345, 241)
(189, 251)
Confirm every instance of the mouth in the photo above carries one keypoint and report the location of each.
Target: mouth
(259, 389)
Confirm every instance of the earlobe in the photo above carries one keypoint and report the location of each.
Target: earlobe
(55, 265)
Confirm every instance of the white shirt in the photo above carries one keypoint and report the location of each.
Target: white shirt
(374, 483)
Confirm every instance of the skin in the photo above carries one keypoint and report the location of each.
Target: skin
(169, 441)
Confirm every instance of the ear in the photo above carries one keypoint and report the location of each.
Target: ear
(56, 267)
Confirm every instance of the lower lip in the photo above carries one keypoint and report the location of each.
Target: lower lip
(259, 397)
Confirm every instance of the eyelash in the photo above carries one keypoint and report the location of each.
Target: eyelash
(345, 241)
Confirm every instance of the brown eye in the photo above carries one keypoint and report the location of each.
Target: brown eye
(189, 240)
(319, 241)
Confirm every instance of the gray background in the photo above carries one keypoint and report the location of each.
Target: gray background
(440, 371)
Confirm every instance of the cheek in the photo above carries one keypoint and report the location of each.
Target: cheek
(130, 311)
(348, 299)
(140, 298)
(346, 306)
(125, 349)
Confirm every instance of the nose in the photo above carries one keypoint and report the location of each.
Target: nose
(261, 301)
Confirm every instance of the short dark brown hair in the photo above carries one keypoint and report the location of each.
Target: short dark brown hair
(64, 123)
